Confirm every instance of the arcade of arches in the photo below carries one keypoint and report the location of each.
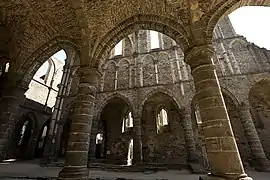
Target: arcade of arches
(142, 83)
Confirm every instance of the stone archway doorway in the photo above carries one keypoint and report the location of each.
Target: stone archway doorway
(21, 138)
(112, 143)
(39, 149)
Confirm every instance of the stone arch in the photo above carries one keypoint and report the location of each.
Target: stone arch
(123, 75)
(156, 91)
(259, 98)
(148, 70)
(261, 88)
(241, 41)
(225, 8)
(231, 95)
(161, 139)
(42, 54)
(20, 143)
(123, 61)
(111, 119)
(162, 24)
(112, 96)
(109, 62)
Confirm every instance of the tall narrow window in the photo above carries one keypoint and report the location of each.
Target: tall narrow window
(127, 122)
(118, 49)
(162, 120)
(7, 67)
(130, 153)
(22, 132)
(154, 40)
(99, 138)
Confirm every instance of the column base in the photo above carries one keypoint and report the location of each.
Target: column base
(74, 173)
(213, 177)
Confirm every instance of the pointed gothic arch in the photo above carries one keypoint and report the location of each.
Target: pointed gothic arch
(173, 29)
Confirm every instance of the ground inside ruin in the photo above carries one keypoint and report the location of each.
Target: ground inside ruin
(32, 170)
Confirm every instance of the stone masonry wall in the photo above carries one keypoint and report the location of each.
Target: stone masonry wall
(141, 72)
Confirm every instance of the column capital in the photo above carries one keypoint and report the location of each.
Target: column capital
(89, 75)
(199, 55)
(89, 80)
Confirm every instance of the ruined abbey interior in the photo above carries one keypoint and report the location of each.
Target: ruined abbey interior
(144, 83)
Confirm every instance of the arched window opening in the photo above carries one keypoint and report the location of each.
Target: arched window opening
(99, 138)
(127, 122)
(44, 86)
(162, 120)
(154, 40)
(118, 49)
(100, 145)
(6, 67)
(22, 133)
(21, 139)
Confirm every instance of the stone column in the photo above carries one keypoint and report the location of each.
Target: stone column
(82, 115)
(137, 141)
(259, 160)
(12, 95)
(189, 138)
(222, 152)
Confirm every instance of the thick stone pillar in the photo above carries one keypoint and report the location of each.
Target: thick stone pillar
(189, 138)
(12, 95)
(82, 115)
(259, 160)
(137, 141)
(222, 152)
